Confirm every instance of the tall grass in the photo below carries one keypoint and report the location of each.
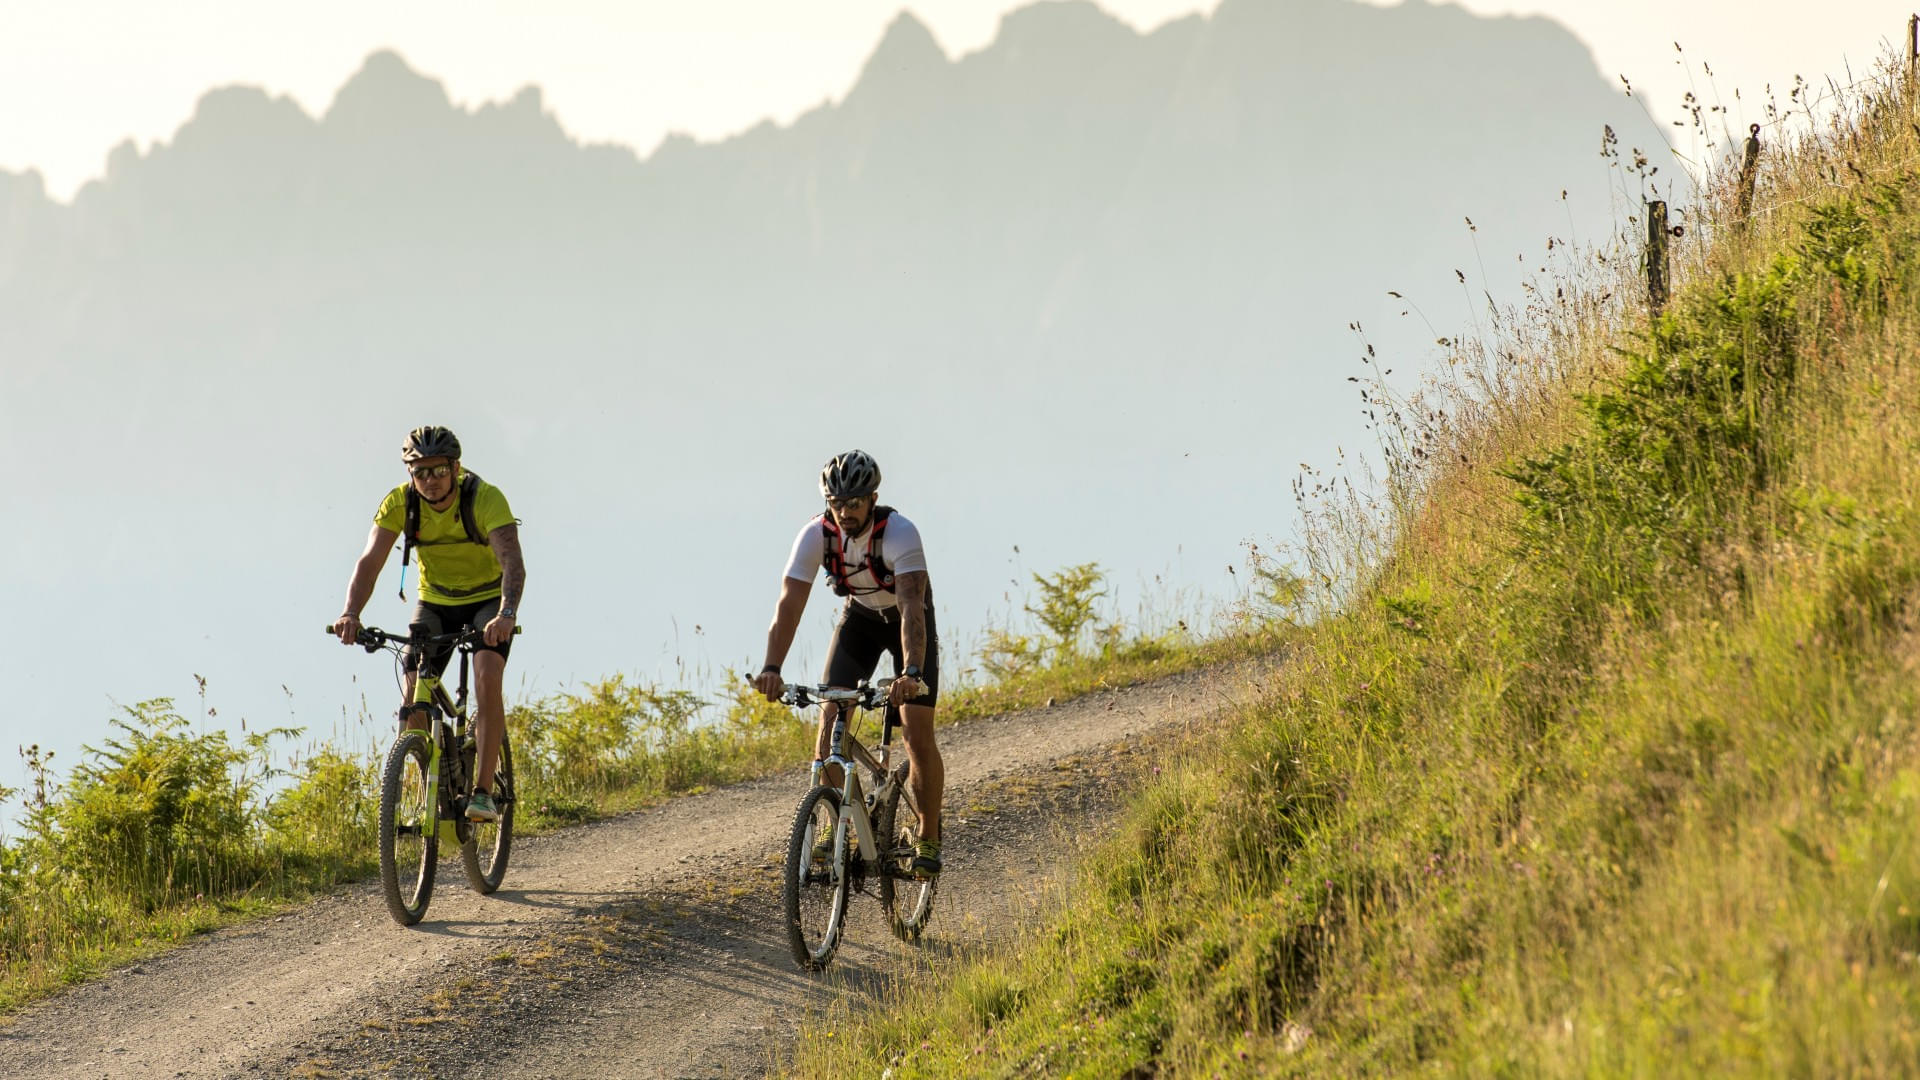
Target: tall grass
(164, 831)
(1600, 756)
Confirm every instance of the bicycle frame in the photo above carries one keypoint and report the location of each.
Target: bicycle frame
(853, 803)
(430, 696)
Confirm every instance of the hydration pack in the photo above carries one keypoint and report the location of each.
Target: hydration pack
(836, 560)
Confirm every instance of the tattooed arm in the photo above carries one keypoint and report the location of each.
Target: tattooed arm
(505, 542)
(911, 587)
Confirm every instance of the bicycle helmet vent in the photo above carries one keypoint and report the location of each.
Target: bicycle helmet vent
(429, 441)
(850, 475)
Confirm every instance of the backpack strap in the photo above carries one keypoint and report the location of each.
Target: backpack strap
(834, 563)
(469, 490)
(881, 574)
(409, 536)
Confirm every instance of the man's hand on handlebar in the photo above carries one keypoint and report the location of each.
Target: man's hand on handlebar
(347, 628)
(499, 629)
(904, 689)
(770, 684)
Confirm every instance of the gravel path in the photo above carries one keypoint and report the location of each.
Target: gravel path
(646, 945)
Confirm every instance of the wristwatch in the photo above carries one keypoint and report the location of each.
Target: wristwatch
(911, 671)
(510, 613)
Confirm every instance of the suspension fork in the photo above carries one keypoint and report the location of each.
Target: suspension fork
(424, 686)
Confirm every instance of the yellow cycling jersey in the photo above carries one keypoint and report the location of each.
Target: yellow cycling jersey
(452, 570)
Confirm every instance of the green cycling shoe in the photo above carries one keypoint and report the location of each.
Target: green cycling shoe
(926, 860)
(480, 808)
(823, 847)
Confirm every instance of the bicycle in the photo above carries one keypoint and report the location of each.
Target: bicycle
(815, 896)
(427, 781)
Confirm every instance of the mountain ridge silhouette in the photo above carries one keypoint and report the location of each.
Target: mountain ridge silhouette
(1085, 290)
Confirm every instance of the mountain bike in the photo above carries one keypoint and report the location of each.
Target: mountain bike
(872, 834)
(428, 779)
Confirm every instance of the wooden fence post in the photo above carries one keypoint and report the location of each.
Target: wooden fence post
(1749, 171)
(1657, 255)
(1913, 46)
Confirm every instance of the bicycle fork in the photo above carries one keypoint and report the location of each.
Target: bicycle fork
(424, 687)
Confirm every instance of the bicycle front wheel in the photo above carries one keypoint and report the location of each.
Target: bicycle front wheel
(907, 902)
(489, 842)
(409, 829)
(814, 890)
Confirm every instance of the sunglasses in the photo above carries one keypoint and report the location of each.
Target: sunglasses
(424, 472)
(847, 503)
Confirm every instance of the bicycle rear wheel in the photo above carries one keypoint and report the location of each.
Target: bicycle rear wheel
(489, 842)
(815, 892)
(409, 829)
(907, 902)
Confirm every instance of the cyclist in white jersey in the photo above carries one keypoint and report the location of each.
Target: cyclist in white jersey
(872, 555)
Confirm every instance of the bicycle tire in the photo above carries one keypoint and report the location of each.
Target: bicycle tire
(907, 902)
(409, 829)
(490, 842)
(815, 899)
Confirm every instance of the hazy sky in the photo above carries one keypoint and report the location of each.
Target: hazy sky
(79, 76)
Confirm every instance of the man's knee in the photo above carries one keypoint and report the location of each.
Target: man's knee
(918, 723)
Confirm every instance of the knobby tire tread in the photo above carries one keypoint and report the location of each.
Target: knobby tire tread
(895, 893)
(409, 747)
(485, 881)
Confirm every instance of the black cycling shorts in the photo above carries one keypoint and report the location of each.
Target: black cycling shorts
(445, 619)
(862, 634)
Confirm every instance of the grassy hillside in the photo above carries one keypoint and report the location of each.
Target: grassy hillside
(1604, 756)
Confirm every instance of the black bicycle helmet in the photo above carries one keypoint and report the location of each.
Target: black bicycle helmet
(429, 441)
(850, 475)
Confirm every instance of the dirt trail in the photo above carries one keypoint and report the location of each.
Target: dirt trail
(642, 946)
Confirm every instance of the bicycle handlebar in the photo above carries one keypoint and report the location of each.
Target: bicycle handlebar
(800, 695)
(372, 637)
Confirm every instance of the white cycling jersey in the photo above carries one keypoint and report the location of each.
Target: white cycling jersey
(900, 550)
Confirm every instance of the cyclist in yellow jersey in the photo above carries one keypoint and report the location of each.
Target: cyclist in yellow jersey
(471, 574)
